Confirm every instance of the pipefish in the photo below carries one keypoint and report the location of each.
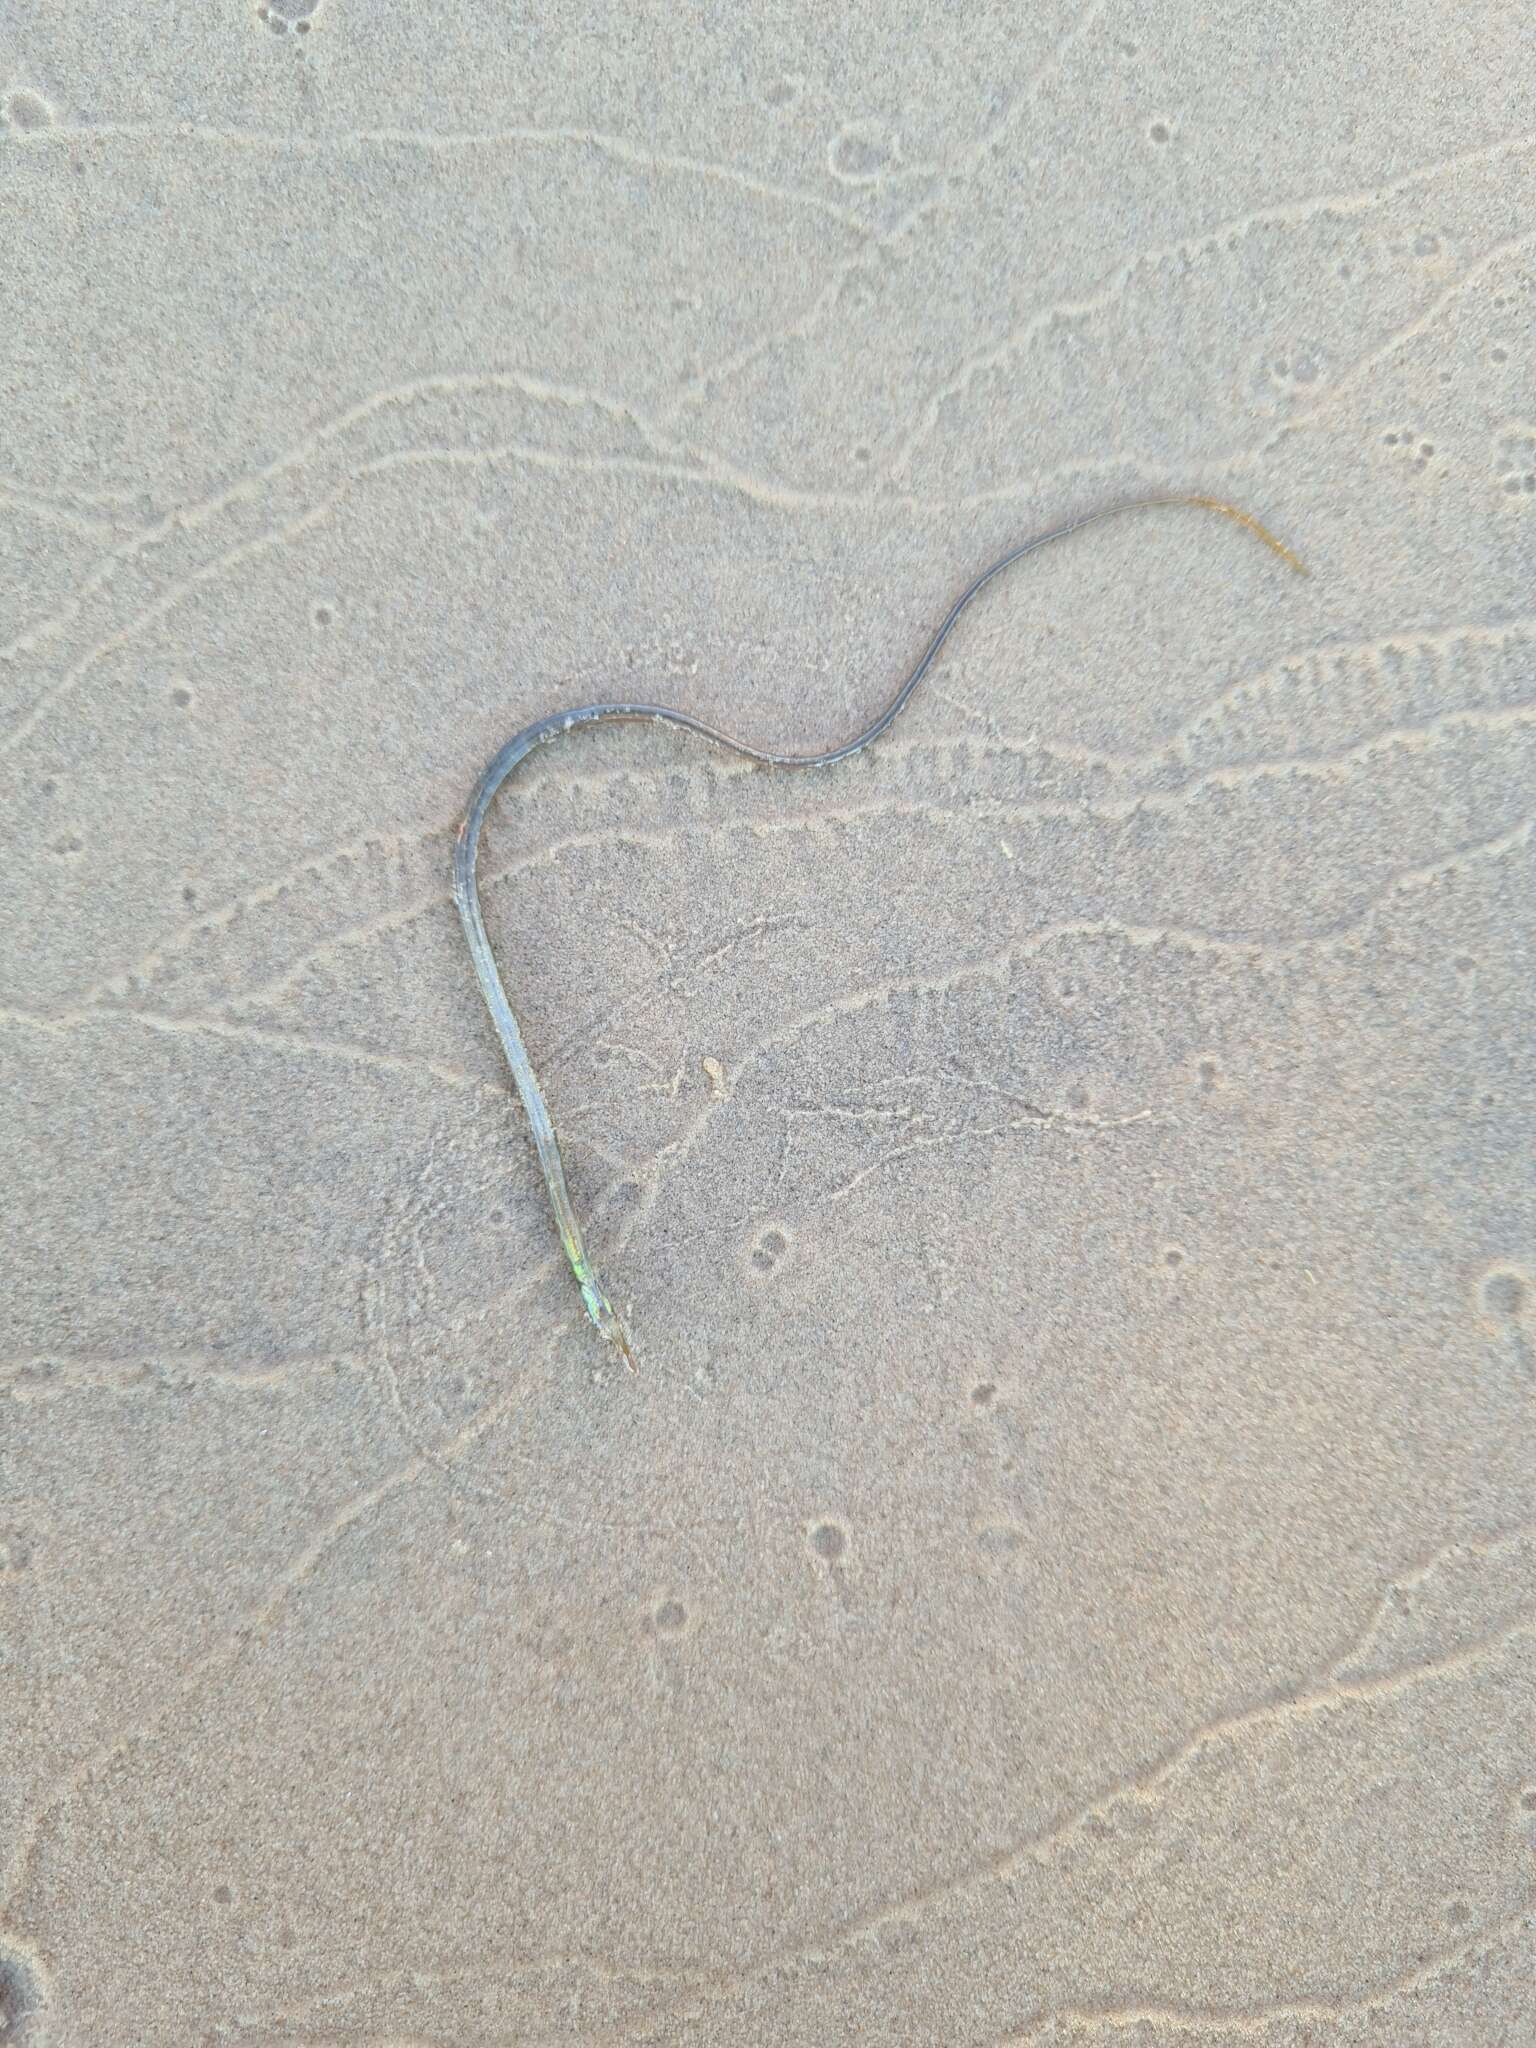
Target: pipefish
(466, 895)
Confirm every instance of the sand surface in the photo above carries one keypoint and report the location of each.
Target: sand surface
(1066, 1571)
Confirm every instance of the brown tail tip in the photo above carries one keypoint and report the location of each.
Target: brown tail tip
(1254, 526)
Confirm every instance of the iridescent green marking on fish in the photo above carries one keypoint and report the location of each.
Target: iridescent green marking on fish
(466, 895)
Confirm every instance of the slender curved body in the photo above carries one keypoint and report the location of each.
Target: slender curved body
(466, 848)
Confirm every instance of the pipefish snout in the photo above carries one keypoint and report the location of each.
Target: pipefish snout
(466, 848)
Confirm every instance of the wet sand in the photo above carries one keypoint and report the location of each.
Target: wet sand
(1063, 1571)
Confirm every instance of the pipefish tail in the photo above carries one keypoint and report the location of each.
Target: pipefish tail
(517, 749)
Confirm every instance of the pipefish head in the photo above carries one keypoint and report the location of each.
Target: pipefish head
(610, 1327)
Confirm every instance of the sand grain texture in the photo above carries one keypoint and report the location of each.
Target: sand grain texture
(1066, 1571)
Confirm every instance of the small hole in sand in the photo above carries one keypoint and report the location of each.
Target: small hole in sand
(27, 112)
(1503, 1294)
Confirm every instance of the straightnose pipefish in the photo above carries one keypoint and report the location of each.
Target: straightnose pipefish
(466, 895)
